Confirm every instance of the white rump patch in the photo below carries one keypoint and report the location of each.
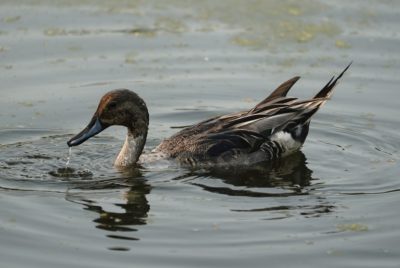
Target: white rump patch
(288, 144)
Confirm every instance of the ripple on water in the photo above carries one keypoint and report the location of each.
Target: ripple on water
(358, 157)
(335, 205)
(121, 202)
(42, 163)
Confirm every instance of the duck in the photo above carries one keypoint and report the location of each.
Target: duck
(274, 128)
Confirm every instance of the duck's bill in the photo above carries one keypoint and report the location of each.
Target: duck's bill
(94, 128)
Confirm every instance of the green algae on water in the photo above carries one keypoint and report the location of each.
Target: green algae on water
(353, 227)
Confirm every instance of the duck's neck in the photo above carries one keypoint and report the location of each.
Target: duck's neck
(133, 147)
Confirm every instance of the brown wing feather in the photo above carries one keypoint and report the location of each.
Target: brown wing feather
(246, 130)
(280, 91)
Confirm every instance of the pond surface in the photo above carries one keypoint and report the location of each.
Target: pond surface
(334, 204)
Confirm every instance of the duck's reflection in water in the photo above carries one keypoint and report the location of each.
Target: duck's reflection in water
(121, 204)
(286, 177)
(290, 173)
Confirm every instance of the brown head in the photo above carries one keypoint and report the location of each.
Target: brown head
(120, 107)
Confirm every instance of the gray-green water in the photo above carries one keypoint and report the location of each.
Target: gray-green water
(334, 204)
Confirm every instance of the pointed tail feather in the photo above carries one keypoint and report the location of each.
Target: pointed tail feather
(310, 107)
(327, 90)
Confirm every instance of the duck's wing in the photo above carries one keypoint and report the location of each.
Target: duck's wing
(277, 97)
(242, 135)
(248, 134)
(248, 130)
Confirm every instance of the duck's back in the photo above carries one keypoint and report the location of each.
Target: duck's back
(234, 137)
(274, 128)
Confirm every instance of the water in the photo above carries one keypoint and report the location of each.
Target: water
(68, 158)
(334, 204)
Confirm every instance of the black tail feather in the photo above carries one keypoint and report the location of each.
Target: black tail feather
(327, 89)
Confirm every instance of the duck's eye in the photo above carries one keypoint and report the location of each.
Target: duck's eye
(112, 105)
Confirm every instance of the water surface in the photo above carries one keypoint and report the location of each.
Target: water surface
(334, 204)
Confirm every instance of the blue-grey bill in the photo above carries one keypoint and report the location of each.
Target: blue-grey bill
(93, 128)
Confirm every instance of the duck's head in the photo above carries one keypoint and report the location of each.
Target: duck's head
(118, 107)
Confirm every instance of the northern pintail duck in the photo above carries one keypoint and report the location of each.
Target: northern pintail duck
(274, 128)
